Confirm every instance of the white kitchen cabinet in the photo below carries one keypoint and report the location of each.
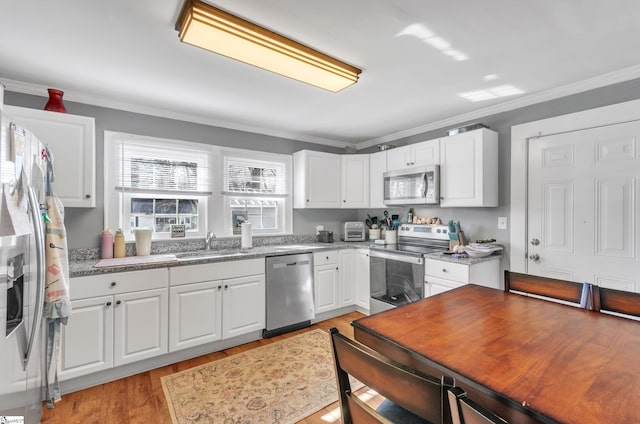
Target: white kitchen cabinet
(325, 280)
(116, 319)
(355, 181)
(316, 180)
(413, 155)
(377, 168)
(441, 276)
(71, 139)
(469, 169)
(362, 289)
(210, 302)
(347, 277)
(195, 314)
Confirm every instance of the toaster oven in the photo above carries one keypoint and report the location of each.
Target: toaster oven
(354, 231)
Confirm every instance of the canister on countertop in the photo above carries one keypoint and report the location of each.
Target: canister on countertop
(119, 249)
(107, 244)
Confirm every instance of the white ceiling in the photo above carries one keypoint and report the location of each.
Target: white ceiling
(126, 54)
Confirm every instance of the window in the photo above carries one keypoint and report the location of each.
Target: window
(256, 190)
(156, 183)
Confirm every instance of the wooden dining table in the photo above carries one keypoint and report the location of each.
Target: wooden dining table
(527, 359)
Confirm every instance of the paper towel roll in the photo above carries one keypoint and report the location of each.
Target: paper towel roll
(245, 236)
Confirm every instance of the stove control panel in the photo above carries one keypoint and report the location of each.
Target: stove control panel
(439, 232)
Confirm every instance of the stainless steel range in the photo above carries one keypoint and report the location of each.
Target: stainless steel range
(397, 270)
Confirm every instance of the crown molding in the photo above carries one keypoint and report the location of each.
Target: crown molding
(78, 97)
(543, 96)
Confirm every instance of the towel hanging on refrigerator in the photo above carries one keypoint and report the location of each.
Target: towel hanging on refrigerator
(57, 307)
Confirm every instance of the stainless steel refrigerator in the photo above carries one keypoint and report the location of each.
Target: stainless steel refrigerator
(22, 272)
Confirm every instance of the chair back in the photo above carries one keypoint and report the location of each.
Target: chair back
(577, 294)
(412, 390)
(466, 411)
(618, 301)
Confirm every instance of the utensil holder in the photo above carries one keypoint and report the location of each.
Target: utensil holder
(391, 236)
(143, 241)
(374, 234)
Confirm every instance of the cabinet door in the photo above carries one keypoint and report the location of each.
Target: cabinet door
(195, 314)
(377, 168)
(469, 169)
(399, 158)
(426, 153)
(317, 180)
(363, 291)
(141, 325)
(243, 305)
(325, 283)
(347, 277)
(87, 339)
(71, 139)
(355, 181)
(435, 286)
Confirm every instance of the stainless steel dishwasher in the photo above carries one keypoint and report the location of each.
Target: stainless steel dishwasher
(289, 293)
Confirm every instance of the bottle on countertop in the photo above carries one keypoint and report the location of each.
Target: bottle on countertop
(119, 249)
(107, 244)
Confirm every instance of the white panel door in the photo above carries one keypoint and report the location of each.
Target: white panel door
(347, 277)
(583, 206)
(355, 181)
(141, 325)
(323, 180)
(243, 305)
(325, 284)
(195, 314)
(377, 168)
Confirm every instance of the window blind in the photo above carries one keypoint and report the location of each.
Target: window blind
(253, 177)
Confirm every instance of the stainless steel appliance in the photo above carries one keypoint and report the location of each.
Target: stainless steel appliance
(354, 231)
(289, 293)
(22, 273)
(324, 236)
(397, 270)
(414, 186)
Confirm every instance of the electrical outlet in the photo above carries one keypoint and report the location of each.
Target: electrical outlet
(319, 228)
(177, 230)
(502, 223)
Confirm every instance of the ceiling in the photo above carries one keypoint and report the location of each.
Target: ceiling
(417, 57)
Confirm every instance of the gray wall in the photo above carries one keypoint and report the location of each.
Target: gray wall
(84, 225)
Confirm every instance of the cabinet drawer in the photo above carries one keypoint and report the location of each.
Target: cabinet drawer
(215, 271)
(118, 282)
(325, 258)
(446, 270)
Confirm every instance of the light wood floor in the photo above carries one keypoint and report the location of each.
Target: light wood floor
(139, 399)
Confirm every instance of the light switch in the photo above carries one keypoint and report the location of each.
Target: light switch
(502, 223)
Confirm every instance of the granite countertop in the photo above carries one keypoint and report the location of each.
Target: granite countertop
(86, 267)
(461, 259)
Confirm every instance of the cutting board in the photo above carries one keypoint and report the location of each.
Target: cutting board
(135, 260)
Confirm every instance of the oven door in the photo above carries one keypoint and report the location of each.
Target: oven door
(396, 279)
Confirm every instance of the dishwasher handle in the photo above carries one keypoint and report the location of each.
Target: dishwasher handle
(288, 264)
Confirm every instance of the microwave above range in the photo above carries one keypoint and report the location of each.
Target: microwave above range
(413, 186)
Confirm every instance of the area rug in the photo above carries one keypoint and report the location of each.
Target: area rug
(279, 383)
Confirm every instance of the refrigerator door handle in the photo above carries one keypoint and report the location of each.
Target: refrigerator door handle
(34, 210)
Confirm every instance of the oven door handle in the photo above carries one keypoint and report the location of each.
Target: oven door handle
(397, 257)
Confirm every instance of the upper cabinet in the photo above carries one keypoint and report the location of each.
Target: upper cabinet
(355, 181)
(71, 139)
(316, 180)
(469, 169)
(418, 154)
(377, 168)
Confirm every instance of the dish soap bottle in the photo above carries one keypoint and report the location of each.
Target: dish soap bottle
(107, 244)
(119, 250)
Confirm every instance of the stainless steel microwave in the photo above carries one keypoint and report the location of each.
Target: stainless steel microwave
(412, 186)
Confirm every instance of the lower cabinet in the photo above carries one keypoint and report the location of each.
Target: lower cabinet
(116, 319)
(362, 285)
(441, 276)
(325, 280)
(341, 278)
(211, 302)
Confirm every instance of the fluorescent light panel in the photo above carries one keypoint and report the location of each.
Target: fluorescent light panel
(213, 29)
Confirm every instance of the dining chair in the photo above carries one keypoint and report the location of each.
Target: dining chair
(410, 396)
(617, 301)
(466, 411)
(577, 294)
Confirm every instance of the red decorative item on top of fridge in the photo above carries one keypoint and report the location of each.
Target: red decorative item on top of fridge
(55, 101)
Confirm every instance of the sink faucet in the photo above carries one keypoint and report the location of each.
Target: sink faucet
(209, 240)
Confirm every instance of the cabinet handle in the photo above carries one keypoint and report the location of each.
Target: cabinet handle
(327, 258)
(344, 201)
(307, 200)
(87, 196)
(444, 269)
(108, 303)
(219, 287)
(113, 284)
(337, 268)
(118, 302)
(226, 286)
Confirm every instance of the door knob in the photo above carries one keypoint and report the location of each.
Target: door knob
(534, 256)
(535, 242)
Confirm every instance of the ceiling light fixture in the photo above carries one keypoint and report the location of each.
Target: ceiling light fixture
(213, 29)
